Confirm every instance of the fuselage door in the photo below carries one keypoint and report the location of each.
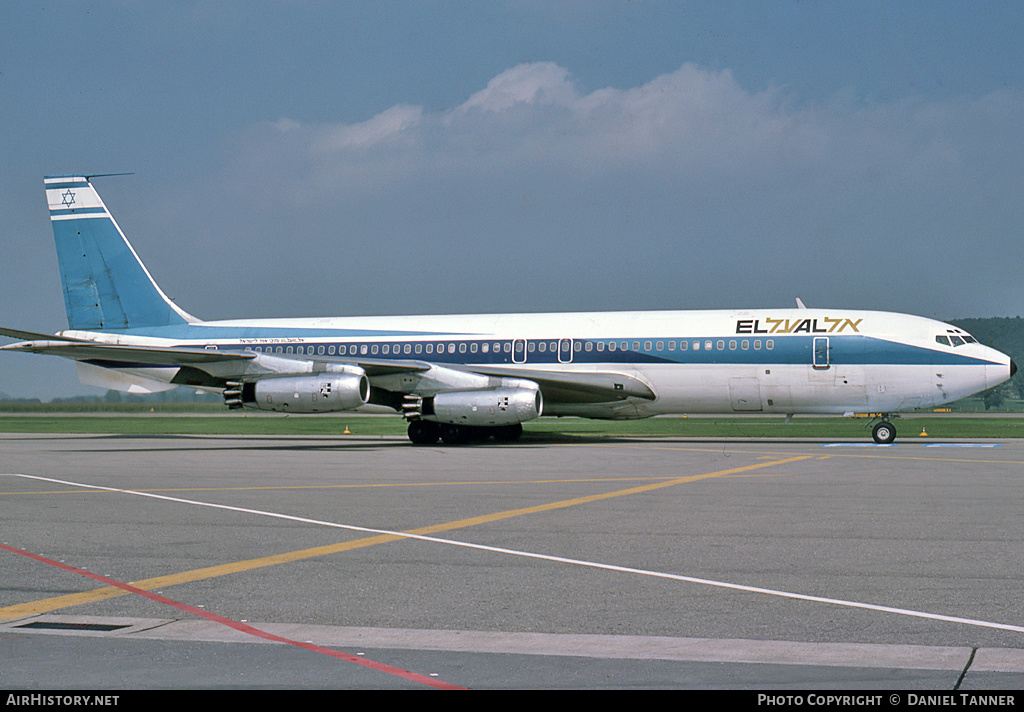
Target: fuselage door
(565, 351)
(821, 356)
(519, 351)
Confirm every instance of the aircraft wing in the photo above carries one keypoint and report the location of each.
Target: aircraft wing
(118, 355)
(213, 368)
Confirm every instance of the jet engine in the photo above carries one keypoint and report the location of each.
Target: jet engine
(315, 393)
(488, 406)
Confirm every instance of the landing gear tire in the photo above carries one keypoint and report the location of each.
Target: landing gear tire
(452, 434)
(424, 432)
(884, 433)
(508, 433)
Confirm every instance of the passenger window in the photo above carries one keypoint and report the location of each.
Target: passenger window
(769, 344)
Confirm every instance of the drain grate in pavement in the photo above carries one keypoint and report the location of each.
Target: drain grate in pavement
(58, 625)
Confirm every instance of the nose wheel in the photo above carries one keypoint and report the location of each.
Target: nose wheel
(884, 432)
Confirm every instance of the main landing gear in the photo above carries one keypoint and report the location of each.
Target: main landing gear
(884, 432)
(428, 432)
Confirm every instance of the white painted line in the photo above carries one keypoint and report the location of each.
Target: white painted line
(548, 557)
(962, 445)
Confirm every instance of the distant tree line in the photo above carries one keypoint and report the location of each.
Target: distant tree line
(177, 395)
(1007, 335)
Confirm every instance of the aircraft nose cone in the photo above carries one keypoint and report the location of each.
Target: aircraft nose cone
(1013, 367)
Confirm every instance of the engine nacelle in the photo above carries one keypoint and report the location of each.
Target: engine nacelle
(315, 393)
(488, 406)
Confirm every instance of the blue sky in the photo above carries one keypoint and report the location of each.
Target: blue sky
(315, 159)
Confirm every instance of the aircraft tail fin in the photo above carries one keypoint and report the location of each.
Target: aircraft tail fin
(106, 286)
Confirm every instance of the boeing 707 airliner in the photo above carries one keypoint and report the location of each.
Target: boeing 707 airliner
(459, 378)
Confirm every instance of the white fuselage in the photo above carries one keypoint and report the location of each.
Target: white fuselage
(769, 361)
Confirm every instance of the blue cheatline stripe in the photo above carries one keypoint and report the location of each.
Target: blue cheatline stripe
(791, 350)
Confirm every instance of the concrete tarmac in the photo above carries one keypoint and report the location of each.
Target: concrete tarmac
(354, 562)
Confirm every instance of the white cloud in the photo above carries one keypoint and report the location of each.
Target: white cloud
(526, 84)
(689, 179)
(385, 126)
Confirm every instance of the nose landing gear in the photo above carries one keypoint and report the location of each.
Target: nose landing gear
(884, 432)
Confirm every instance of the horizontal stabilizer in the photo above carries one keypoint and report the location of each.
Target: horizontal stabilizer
(148, 355)
(33, 336)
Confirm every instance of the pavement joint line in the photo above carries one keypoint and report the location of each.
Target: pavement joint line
(622, 647)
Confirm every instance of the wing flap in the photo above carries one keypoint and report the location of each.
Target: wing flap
(577, 386)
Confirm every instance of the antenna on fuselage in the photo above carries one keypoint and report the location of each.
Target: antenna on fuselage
(799, 304)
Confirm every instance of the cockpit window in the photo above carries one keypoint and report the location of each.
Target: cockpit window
(955, 338)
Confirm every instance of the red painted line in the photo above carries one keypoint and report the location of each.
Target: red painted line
(242, 627)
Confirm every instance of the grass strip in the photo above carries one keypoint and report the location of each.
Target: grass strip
(945, 426)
